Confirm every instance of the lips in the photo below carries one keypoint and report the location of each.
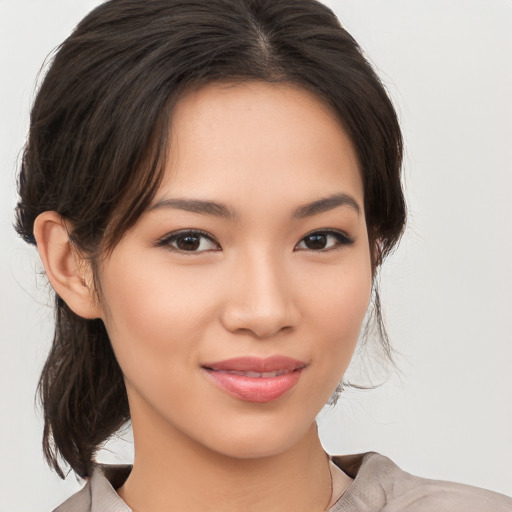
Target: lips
(258, 375)
(255, 379)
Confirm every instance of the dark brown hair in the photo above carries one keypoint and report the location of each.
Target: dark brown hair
(99, 130)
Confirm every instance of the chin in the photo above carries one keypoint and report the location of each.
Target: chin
(253, 441)
(254, 449)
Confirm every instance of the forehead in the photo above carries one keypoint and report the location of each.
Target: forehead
(258, 139)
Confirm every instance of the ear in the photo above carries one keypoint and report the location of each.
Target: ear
(69, 274)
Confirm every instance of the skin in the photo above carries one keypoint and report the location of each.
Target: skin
(254, 286)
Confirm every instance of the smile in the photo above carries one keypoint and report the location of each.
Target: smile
(257, 375)
(255, 379)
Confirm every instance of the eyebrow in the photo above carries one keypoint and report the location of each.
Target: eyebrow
(220, 210)
(326, 204)
(196, 206)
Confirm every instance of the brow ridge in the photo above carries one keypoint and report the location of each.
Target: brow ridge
(196, 206)
(326, 204)
(220, 210)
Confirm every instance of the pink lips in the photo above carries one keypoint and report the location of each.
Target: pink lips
(255, 379)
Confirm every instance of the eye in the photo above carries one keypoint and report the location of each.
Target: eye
(189, 241)
(324, 241)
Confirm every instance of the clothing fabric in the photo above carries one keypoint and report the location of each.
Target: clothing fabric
(378, 485)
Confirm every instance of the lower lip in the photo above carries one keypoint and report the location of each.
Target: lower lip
(255, 389)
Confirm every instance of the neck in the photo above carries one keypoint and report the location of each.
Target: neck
(172, 472)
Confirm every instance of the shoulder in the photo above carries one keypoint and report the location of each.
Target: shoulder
(380, 485)
(99, 493)
(79, 502)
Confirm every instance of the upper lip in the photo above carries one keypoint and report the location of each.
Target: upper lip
(256, 364)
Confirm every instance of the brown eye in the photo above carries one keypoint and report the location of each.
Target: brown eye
(324, 241)
(316, 241)
(188, 241)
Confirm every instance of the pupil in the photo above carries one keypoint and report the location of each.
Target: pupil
(316, 241)
(188, 243)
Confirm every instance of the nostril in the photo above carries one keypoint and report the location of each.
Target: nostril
(260, 303)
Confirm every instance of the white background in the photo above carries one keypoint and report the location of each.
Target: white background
(446, 292)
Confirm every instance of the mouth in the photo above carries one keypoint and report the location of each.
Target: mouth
(254, 375)
(255, 379)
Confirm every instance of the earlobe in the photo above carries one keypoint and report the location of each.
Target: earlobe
(70, 279)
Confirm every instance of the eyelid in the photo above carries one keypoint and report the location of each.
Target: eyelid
(166, 240)
(343, 238)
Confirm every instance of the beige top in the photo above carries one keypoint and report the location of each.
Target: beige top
(379, 486)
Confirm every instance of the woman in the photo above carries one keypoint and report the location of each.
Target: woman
(212, 187)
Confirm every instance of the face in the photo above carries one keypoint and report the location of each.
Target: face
(235, 302)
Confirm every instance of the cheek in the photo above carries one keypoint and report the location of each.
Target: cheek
(340, 298)
(152, 315)
(337, 307)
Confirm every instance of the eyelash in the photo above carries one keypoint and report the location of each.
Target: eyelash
(342, 239)
(167, 241)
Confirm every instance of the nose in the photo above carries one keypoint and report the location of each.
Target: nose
(260, 299)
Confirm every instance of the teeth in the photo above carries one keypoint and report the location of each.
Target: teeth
(258, 374)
